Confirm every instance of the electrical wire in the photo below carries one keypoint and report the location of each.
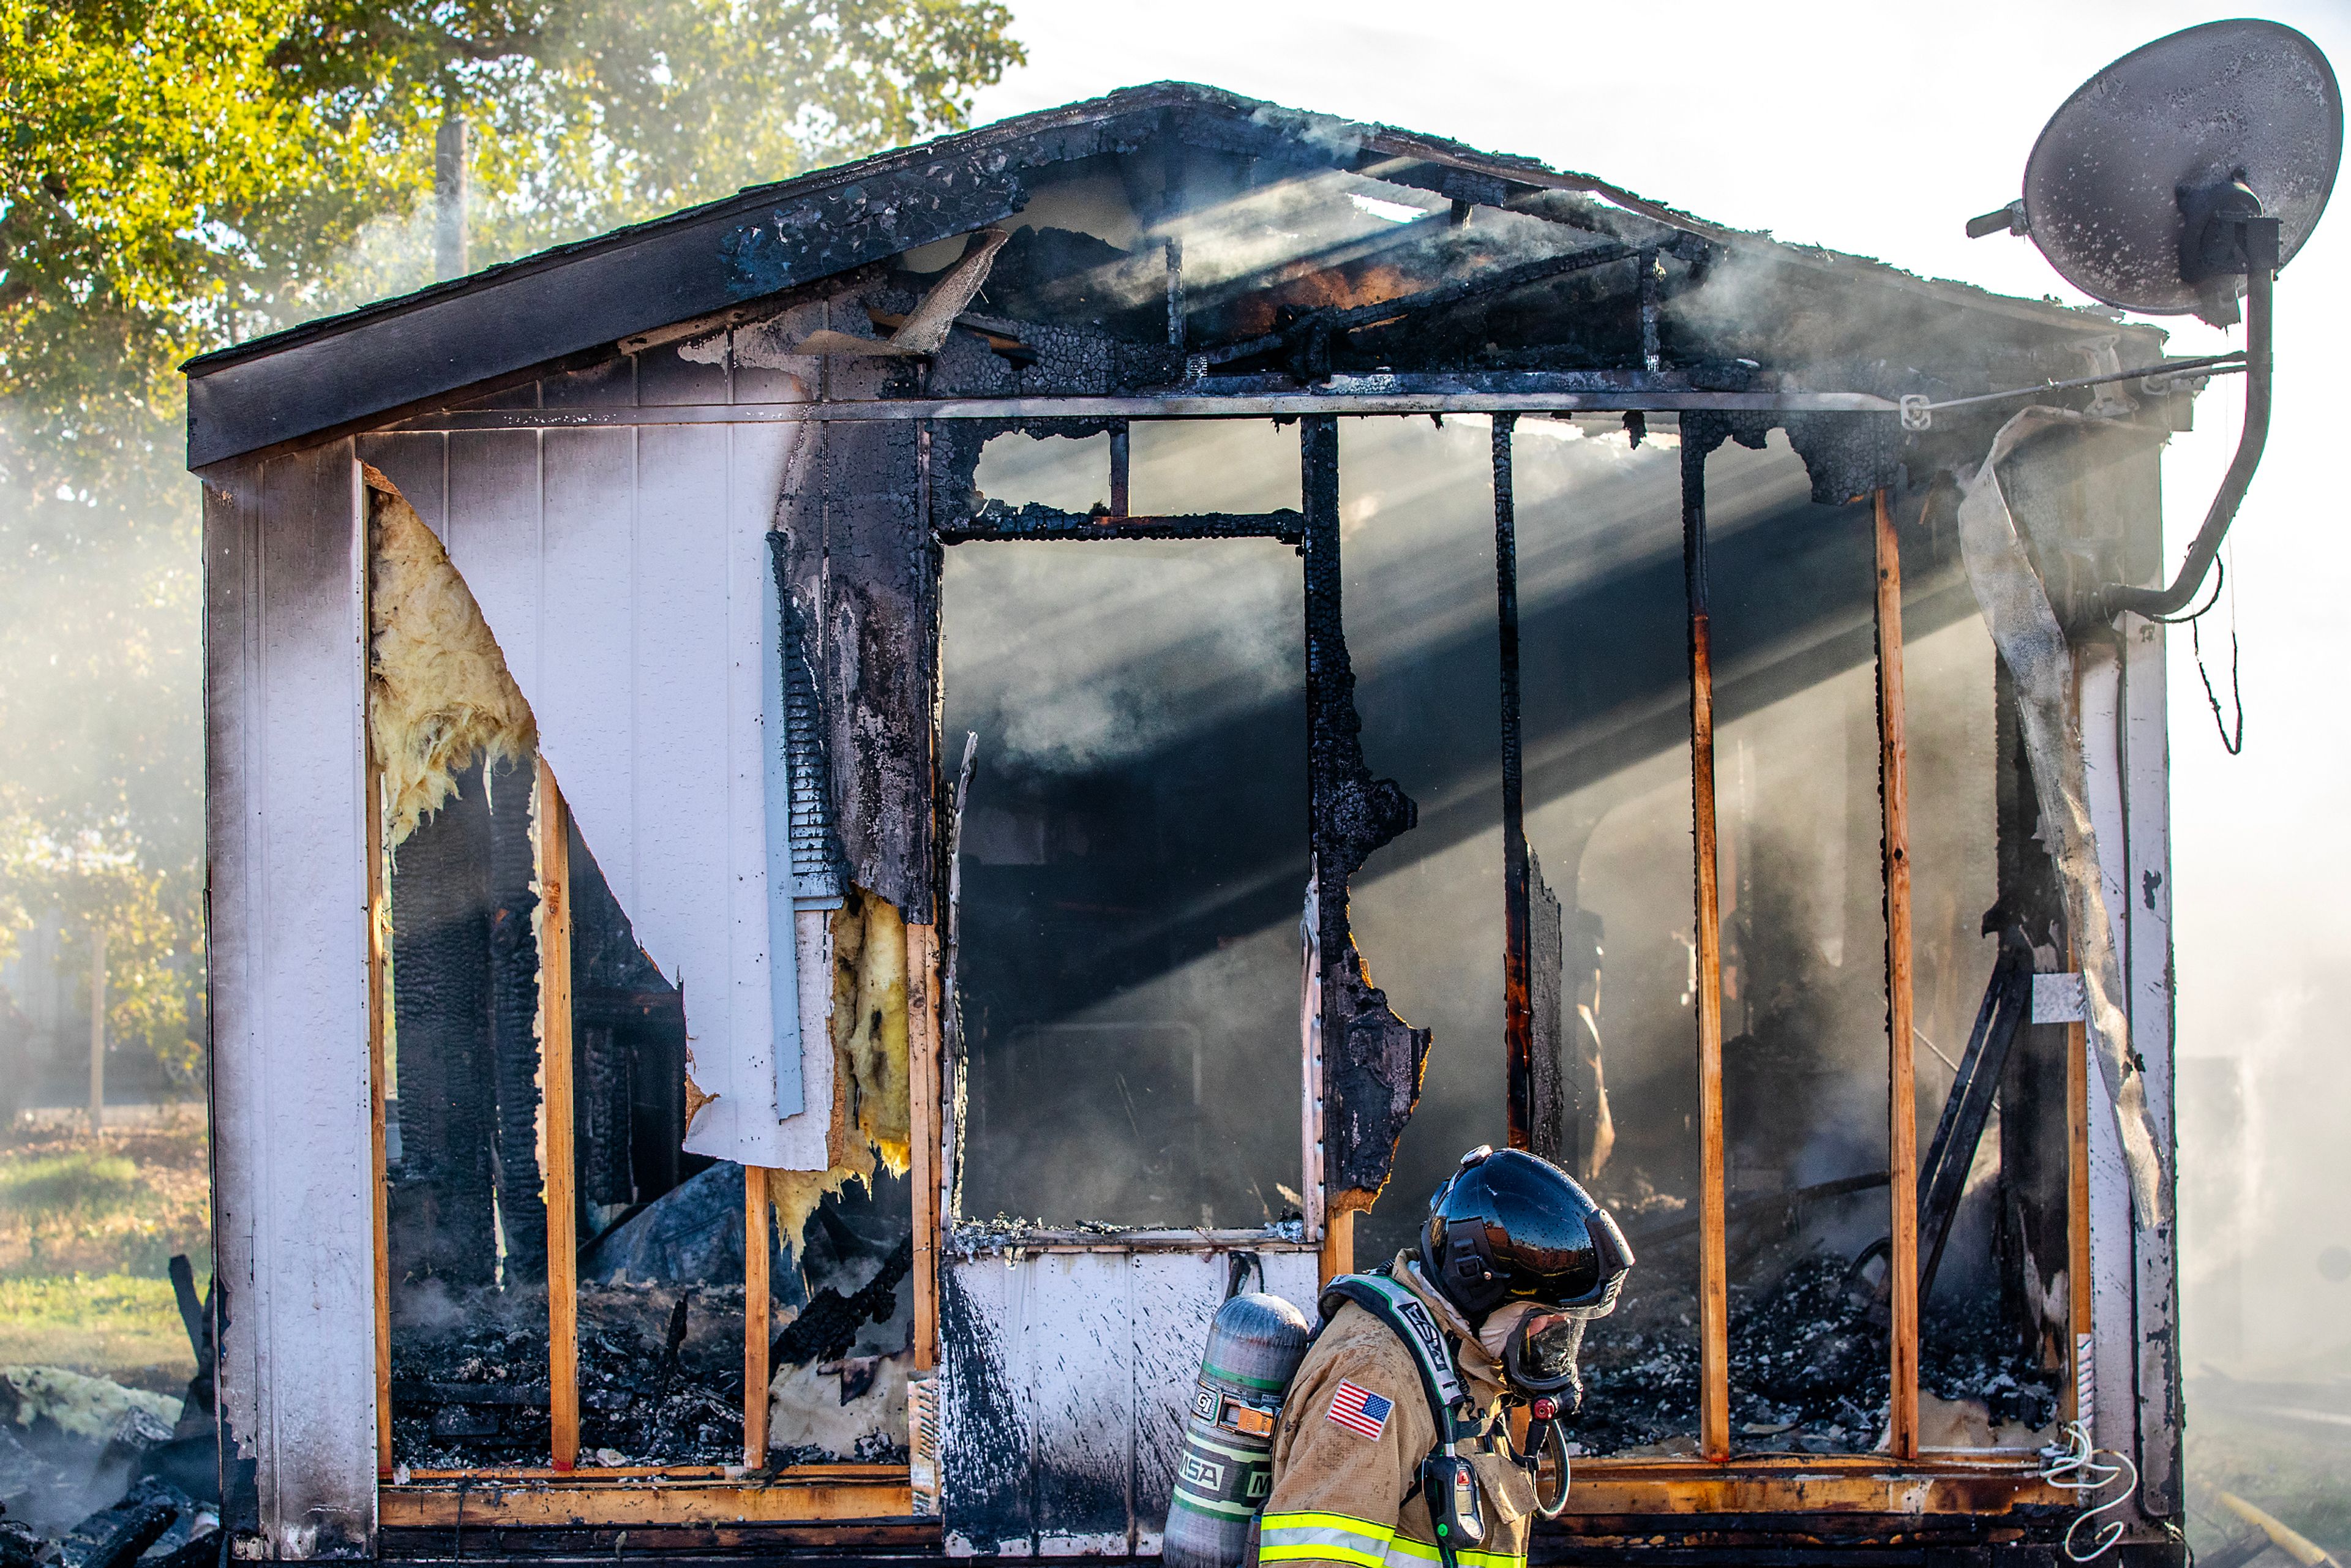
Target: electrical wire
(2078, 1468)
(2233, 734)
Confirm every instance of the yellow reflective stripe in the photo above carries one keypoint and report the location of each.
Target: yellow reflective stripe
(1318, 1552)
(1403, 1548)
(1294, 1518)
(1324, 1538)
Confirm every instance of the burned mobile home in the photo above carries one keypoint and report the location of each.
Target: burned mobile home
(832, 816)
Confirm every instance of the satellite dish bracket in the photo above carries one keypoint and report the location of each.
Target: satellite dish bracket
(2254, 238)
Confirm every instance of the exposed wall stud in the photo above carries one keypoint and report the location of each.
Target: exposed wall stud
(1714, 1311)
(1902, 1108)
(759, 1232)
(925, 1123)
(552, 821)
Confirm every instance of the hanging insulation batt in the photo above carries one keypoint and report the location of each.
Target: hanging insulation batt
(439, 694)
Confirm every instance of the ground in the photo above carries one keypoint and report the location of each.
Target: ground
(2283, 1446)
(87, 1228)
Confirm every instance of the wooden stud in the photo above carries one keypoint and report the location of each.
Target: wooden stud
(1518, 1014)
(1902, 1109)
(1338, 1238)
(379, 999)
(926, 1128)
(552, 824)
(758, 1231)
(1714, 1297)
(841, 1493)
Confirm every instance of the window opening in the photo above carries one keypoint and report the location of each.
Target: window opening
(1605, 721)
(1134, 858)
(1416, 527)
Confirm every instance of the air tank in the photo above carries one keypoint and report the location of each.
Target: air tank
(1226, 1467)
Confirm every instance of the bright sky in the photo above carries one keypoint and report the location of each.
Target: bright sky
(1880, 129)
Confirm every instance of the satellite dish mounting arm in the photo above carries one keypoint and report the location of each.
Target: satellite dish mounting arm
(2231, 241)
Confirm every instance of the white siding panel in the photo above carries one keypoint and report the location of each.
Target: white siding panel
(2146, 967)
(623, 574)
(1067, 1380)
(1077, 1356)
(287, 862)
(2112, 1314)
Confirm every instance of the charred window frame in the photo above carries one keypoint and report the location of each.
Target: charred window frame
(1362, 1105)
(1334, 769)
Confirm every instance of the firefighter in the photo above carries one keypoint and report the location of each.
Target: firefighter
(1513, 1262)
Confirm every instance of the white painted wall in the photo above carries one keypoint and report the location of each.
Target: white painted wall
(287, 845)
(625, 575)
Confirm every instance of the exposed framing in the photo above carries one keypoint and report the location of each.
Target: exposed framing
(551, 828)
(926, 1126)
(1898, 1480)
(1714, 1272)
(758, 1314)
(1902, 1109)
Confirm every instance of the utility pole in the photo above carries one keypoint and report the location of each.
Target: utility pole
(449, 182)
(96, 1030)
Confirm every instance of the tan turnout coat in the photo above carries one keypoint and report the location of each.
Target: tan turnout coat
(1350, 1500)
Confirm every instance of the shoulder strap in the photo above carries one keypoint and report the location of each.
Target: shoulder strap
(1410, 1320)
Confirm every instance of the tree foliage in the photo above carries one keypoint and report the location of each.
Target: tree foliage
(179, 174)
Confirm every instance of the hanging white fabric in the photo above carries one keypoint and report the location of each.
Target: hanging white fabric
(2025, 629)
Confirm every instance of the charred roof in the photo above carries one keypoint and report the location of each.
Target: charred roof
(1173, 229)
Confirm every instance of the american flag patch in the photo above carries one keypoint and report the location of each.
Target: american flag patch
(1360, 1410)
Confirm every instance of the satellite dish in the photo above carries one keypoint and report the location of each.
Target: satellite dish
(2182, 175)
(2150, 149)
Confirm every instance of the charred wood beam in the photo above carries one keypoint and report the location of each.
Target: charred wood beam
(1518, 1018)
(514, 1006)
(441, 1220)
(1497, 392)
(1556, 1103)
(1337, 322)
(1372, 1059)
(1034, 522)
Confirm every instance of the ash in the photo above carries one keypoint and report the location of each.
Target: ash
(661, 1373)
(1808, 1367)
(1966, 1353)
(469, 1380)
(1808, 1370)
(661, 1379)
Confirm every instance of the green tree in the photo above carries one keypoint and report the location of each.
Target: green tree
(179, 174)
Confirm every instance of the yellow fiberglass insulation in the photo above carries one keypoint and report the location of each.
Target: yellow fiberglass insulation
(871, 1075)
(797, 1195)
(439, 694)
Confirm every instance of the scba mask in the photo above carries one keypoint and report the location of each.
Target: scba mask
(1537, 1346)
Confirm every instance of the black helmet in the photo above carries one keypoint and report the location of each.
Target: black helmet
(1511, 1226)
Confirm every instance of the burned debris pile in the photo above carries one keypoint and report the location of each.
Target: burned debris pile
(95, 1475)
(1809, 1368)
(470, 1387)
(661, 1373)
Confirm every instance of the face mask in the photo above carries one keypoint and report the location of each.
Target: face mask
(1496, 1335)
(1537, 1346)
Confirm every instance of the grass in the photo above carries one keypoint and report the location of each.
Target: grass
(88, 1228)
(120, 1204)
(116, 1325)
(82, 1183)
